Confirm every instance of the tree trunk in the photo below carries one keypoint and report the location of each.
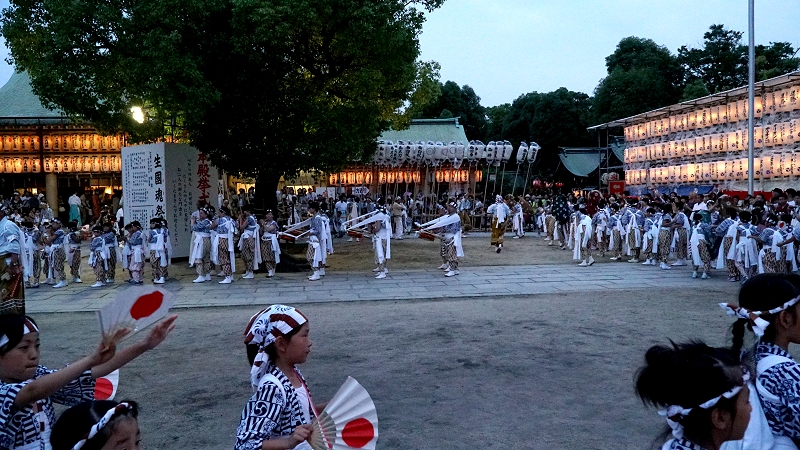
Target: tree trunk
(266, 185)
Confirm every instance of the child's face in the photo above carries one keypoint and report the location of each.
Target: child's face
(298, 348)
(126, 435)
(20, 363)
(743, 410)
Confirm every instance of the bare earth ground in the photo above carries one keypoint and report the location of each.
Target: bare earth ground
(530, 372)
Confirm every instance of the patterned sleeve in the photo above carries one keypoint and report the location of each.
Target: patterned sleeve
(8, 394)
(260, 417)
(782, 381)
(74, 392)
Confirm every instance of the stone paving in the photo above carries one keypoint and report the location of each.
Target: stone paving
(474, 281)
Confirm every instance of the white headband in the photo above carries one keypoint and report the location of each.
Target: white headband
(101, 423)
(759, 325)
(674, 413)
(264, 328)
(27, 327)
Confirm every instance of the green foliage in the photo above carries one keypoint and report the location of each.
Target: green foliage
(722, 63)
(496, 116)
(694, 89)
(266, 87)
(642, 76)
(460, 102)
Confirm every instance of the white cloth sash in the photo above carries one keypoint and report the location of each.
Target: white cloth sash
(697, 236)
(215, 249)
(252, 234)
(71, 252)
(722, 256)
(197, 247)
(272, 239)
(160, 249)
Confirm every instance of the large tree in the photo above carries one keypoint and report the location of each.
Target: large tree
(721, 63)
(266, 87)
(463, 102)
(642, 76)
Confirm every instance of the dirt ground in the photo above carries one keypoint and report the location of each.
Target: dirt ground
(529, 372)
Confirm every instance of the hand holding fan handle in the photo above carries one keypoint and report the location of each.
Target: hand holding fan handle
(157, 335)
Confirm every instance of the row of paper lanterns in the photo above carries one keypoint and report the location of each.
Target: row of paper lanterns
(402, 176)
(781, 133)
(59, 142)
(437, 153)
(61, 164)
(783, 100)
(766, 167)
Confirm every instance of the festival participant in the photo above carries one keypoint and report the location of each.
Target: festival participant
(398, 210)
(518, 220)
(501, 212)
(99, 424)
(201, 250)
(701, 247)
(617, 237)
(56, 240)
(167, 248)
(249, 243)
(158, 251)
(326, 242)
(703, 391)
(583, 233)
(768, 307)
(633, 219)
(560, 211)
(680, 238)
(769, 238)
(727, 251)
(222, 247)
(315, 249)
(112, 245)
(787, 261)
(133, 253)
(270, 250)
(33, 255)
(665, 233)
(452, 241)
(280, 411)
(650, 244)
(441, 211)
(73, 240)
(352, 214)
(746, 248)
(28, 390)
(549, 224)
(12, 271)
(98, 257)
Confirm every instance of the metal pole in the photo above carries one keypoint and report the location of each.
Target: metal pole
(751, 99)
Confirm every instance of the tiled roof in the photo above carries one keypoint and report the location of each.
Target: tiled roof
(436, 130)
(17, 100)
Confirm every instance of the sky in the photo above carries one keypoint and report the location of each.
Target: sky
(506, 48)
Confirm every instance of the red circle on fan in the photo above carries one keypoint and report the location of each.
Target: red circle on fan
(357, 433)
(103, 389)
(146, 305)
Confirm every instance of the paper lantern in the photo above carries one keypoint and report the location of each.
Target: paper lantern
(104, 163)
(693, 120)
(734, 141)
(439, 176)
(368, 177)
(794, 98)
(333, 179)
(683, 173)
(766, 167)
(766, 135)
(478, 176)
(391, 177)
(351, 178)
(691, 172)
(792, 128)
(446, 176)
(784, 100)
(628, 177)
(359, 177)
(69, 165)
(381, 177)
(796, 164)
(58, 164)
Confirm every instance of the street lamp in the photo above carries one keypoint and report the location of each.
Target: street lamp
(138, 114)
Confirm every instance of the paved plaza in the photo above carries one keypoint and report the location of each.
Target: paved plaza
(526, 356)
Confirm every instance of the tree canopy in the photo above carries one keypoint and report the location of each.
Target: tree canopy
(266, 87)
(455, 101)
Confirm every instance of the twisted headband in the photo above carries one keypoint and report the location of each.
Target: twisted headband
(759, 325)
(102, 423)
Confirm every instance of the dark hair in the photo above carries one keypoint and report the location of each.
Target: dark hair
(786, 217)
(679, 205)
(688, 375)
(745, 216)
(314, 206)
(75, 423)
(651, 210)
(697, 217)
(731, 212)
(225, 210)
(763, 292)
(155, 221)
(12, 326)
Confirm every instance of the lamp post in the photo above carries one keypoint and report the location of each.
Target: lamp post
(751, 97)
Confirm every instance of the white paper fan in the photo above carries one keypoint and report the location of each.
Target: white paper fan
(135, 308)
(349, 421)
(105, 388)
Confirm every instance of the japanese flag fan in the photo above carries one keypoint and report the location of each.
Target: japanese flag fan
(349, 422)
(135, 308)
(105, 388)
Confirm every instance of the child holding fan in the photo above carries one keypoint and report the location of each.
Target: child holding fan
(28, 390)
(279, 414)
